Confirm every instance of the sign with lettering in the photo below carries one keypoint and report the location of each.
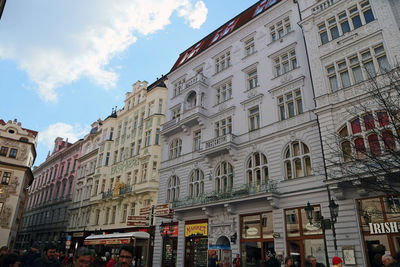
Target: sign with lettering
(383, 228)
(196, 229)
(145, 211)
(138, 221)
(163, 210)
(170, 230)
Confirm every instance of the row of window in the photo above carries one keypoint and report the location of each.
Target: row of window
(110, 213)
(43, 196)
(45, 217)
(346, 21)
(371, 134)
(357, 67)
(8, 152)
(297, 163)
(50, 175)
(135, 148)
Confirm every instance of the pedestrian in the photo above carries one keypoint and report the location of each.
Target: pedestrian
(125, 257)
(288, 262)
(82, 257)
(312, 262)
(3, 253)
(11, 260)
(388, 261)
(270, 260)
(31, 255)
(236, 261)
(337, 262)
(49, 258)
(111, 262)
(212, 261)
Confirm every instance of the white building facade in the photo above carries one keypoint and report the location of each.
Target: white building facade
(242, 150)
(348, 42)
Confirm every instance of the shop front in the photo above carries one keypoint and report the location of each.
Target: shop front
(379, 220)
(256, 238)
(169, 234)
(196, 243)
(302, 238)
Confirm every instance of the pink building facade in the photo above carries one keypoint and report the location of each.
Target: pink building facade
(46, 210)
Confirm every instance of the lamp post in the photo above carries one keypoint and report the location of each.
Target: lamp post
(325, 223)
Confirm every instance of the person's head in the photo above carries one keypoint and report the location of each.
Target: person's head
(35, 247)
(11, 260)
(337, 261)
(312, 260)
(3, 250)
(125, 256)
(50, 251)
(288, 261)
(268, 255)
(237, 255)
(82, 257)
(387, 259)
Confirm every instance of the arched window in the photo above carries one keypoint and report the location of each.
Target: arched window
(175, 148)
(257, 169)
(191, 100)
(173, 189)
(367, 135)
(224, 177)
(196, 185)
(297, 160)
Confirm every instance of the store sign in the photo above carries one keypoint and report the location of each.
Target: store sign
(252, 231)
(163, 210)
(77, 234)
(383, 228)
(111, 241)
(170, 230)
(137, 221)
(145, 211)
(196, 229)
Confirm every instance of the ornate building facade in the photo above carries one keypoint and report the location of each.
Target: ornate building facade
(17, 154)
(352, 44)
(242, 151)
(45, 217)
(119, 170)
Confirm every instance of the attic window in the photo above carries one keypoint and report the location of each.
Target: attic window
(11, 131)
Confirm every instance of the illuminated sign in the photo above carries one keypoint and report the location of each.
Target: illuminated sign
(263, 5)
(196, 229)
(383, 228)
(252, 231)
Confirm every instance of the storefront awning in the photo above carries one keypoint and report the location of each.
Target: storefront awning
(114, 239)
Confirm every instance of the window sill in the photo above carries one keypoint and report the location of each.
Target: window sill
(221, 71)
(282, 75)
(280, 40)
(252, 89)
(247, 56)
(222, 102)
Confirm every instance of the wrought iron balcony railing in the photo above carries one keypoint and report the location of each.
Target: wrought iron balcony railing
(243, 191)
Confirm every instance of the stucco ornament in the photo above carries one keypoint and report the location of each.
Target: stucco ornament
(5, 217)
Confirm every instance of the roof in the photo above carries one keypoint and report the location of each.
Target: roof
(2, 4)
(223, 31)
(158, 83)
(34, 133)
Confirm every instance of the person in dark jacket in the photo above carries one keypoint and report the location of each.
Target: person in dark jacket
(11, 260)
(31, 255)
(270, 260)
(49, 258)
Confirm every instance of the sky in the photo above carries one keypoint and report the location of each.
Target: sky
(64, 64)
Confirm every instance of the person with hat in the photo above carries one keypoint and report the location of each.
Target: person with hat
(270, 260)
(337, 262)
(31, 255)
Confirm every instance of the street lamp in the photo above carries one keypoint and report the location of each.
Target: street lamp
(325, 223)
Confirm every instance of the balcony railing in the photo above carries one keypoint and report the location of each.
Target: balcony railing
(198, 78)
(243, 191)
(107, 194)
(219, 141)
(125, 190)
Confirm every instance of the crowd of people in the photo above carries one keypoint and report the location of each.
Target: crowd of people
(50, 257)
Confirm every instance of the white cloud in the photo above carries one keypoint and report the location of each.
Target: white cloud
(63, 130)
(59, 42)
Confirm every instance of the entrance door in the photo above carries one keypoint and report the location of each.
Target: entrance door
(196, 252)
(169, 252)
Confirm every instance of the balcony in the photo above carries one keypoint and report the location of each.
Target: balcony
(197, 79)
(219, 144)
(237, 193)
(107, 194)
(125, 190)
(190, 117)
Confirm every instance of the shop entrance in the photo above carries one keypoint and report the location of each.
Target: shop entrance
(169, 251)
(196, 252)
